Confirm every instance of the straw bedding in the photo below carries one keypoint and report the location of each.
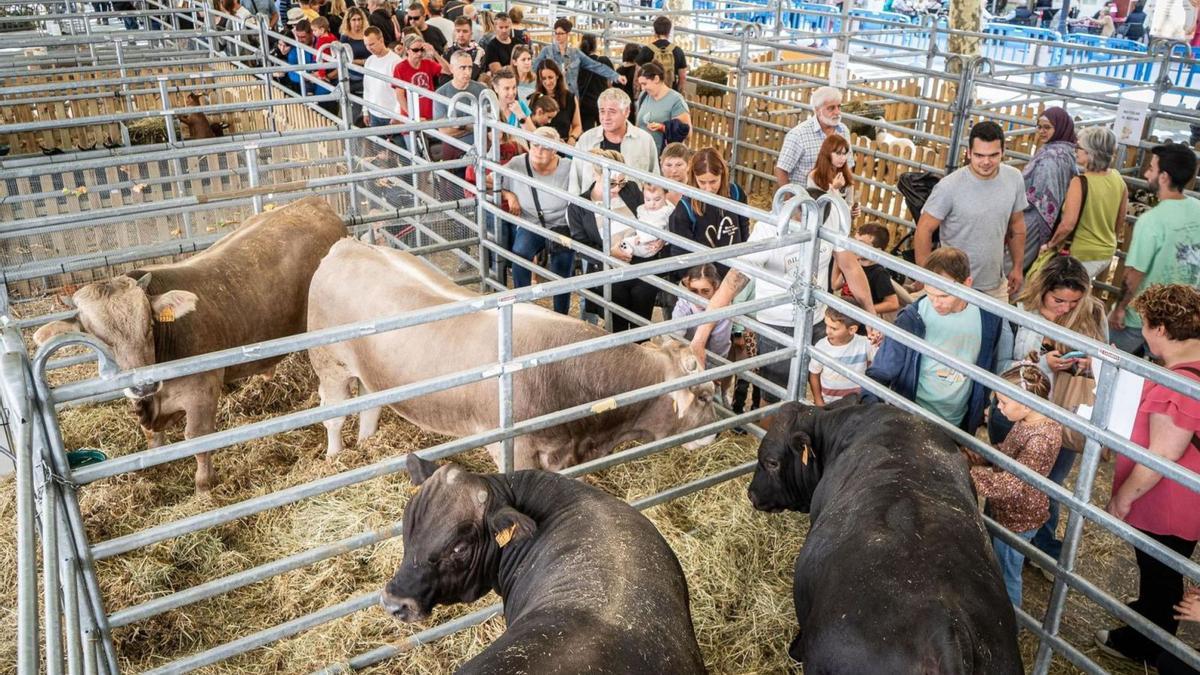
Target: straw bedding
(738, 562)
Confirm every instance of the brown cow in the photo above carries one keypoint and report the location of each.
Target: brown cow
(358, 282)
(197, 123)
(250, 286)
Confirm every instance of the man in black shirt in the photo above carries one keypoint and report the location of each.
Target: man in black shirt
(498, 53)
(453, 9)
(381, 17)
(432, 36)
(662, 50)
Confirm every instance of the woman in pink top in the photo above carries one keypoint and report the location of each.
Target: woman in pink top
(1167, 424)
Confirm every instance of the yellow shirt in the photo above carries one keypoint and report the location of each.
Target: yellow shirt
(1096, 233)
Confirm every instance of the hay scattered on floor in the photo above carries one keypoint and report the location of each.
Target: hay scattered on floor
(738, 562)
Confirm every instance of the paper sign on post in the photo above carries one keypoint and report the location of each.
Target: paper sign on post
(839, 70)
(1131, 118)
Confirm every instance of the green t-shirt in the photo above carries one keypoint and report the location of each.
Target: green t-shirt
(942, 390)
(1165, 247)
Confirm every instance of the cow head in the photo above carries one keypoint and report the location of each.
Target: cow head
(121, 314)
(690, 407)
(454, 528)
(790, 463)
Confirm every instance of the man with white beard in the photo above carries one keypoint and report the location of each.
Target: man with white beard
(798, 155)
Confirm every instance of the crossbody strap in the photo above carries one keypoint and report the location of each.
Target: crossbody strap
(537, 203)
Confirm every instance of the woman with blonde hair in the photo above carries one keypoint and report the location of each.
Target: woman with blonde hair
(1059, 292)
(1095, 205)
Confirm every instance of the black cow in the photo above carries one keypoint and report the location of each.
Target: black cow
(589, 585)
(896, 574)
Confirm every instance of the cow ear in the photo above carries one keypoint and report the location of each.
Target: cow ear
(801, 444)
(509, 525)
(419, 470)
(682, 400)
(172, 304)
(43, 334)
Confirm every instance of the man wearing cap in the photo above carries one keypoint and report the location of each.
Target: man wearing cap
(420, 66)
(541, 166)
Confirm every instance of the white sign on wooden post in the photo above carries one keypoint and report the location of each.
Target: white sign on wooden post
(839, 70)
(1131, 118)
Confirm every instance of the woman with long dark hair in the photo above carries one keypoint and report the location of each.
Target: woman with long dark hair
(550, 83)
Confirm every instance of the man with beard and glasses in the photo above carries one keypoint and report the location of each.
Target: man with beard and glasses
(802, 144)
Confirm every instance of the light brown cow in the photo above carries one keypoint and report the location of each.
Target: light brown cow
(358, 282)
(250, 286)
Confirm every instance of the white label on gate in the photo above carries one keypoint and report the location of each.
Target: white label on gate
(839, 70)
(1131, 118)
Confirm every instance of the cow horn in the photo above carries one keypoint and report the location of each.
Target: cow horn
(143, 281)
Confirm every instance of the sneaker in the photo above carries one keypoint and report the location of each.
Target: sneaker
(1101, 639)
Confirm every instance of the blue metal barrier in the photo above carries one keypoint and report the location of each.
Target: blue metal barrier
(1093, 61)
(866, 20)
(807, 16)
(1184, 72)
(999, 48)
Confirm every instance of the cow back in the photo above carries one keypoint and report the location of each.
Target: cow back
(252, 285)
(358, 282)
(897, 538)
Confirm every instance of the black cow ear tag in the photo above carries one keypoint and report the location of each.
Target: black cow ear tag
(504, 536)
(804, 455)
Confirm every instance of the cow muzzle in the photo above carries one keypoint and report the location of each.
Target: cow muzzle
(700, 443)
(407, 610)
(142, 391)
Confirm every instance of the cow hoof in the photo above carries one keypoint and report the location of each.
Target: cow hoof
(204, 484)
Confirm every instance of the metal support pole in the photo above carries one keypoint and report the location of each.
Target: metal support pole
(208, 28)
(931, 54)
(803, 297)
(606, 242)
(264, 47)
(1106, 386)
(118, 46)
(344, 57)
(481, 149)
(1162, 85)
(50, 581)
(504, 328)
(960, 112)
(739, 96)
(71, 605)
(14, 369)
(253, 175)
(173, 140)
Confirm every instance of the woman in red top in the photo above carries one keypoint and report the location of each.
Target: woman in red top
(1167, 424)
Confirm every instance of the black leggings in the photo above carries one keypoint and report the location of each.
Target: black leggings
(1160, 588)
(636, 296)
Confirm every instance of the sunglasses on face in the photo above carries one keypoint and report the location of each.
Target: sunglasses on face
(416, 50)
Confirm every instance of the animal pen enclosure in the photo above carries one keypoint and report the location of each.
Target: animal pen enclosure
(85, 214)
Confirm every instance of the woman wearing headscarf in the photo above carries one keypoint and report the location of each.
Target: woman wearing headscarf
(1046, 178)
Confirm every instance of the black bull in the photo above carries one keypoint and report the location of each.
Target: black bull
(896, 574)
(589, 585)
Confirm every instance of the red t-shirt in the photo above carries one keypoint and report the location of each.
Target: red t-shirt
(424, 75)
(1168, 508)
(326, 55)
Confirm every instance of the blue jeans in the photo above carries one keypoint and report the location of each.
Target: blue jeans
(527, 245)
(1046, 540)
(1130, 340)
(1010, 560)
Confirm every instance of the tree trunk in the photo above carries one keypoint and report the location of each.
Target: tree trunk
(964, 15)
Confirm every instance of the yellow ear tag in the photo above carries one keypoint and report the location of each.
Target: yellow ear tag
(804, 456)
(504, 536)
(167, 315)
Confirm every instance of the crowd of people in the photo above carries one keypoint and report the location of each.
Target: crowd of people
(1036, 237)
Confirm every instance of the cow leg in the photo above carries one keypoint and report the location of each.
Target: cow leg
(268, 374)
(368, 423)
(333, 387)
(201, 420)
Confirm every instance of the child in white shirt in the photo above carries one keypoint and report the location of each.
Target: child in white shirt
(843, 344)
(655, 211)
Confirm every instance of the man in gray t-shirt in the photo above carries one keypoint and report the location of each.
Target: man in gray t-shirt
(460, 81)
(978, 209)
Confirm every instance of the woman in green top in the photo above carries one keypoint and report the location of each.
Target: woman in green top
(1092, 218)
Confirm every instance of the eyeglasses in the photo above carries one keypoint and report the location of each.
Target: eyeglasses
(559, 33)
(416, 50)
